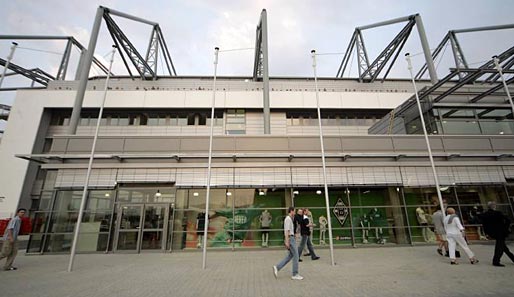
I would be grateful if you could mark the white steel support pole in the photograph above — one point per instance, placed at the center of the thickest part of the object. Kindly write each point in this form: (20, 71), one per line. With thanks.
(209, 169)
(438, 188)
(499, 68)
(426, 49)
(327, 203)
(9, 58)
(88, 174)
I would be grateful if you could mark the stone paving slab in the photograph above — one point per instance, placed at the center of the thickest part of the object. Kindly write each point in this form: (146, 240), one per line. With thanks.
(398, 271)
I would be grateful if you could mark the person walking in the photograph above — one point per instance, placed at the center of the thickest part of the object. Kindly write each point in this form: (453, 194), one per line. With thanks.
(306, 234)
(496, 226)
(311, 229)
(292, 249)
(10, 240)
(454, 233)
(438, 221)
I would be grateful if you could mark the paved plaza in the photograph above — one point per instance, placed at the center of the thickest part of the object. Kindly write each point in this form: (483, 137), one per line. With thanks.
(381, 271)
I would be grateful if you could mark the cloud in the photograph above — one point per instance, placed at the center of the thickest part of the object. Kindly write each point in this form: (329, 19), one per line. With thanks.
(192, 29)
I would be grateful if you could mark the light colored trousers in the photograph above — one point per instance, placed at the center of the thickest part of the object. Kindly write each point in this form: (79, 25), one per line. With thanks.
(292, 254)
(9, 251)
(453, 240)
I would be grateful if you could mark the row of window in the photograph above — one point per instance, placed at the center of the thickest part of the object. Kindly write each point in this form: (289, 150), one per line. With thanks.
(335, 118)
(473, 113)
(238, 216)
(197, 118)
(337, 121)
(235, 119)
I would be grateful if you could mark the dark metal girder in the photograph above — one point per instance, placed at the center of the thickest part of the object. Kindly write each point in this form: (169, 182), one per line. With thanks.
(257, 62)
(464, 80)
(101, 66)
(118, 47)
(166, 53)
(135, 57)
(346, 57)
(435, 53)
(429, 90)
(63, 66)
(152, 52)
(33, 75)
(491, 90)
(495, 76)
(395, 57)
(61, 72)
(379, 63)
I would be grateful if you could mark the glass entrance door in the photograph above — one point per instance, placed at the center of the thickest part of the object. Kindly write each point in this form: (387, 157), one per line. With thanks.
(141, 227)
(129, 227)
(154, 219)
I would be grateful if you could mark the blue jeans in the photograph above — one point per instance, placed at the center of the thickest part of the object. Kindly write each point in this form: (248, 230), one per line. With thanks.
(306, 240)
(292, 253)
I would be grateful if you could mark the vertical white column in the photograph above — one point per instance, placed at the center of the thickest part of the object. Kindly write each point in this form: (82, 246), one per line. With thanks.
(420, 110)
(209, 169)
(327, 203)
(88, 174)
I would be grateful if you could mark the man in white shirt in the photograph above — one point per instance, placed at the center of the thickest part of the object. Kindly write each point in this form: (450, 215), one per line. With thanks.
(10, 240)
(290, 243)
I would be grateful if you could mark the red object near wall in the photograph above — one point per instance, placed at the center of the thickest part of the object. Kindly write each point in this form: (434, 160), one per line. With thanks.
(26, 226)
(3, 225)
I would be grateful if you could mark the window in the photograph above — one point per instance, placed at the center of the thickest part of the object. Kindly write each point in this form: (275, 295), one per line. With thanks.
(182, 120)
(196, 119)
(218, 119)
(156, 120)
(60, 120)
(235, 121)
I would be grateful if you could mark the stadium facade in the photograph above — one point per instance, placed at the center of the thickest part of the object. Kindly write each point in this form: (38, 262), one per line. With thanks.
(147, 189)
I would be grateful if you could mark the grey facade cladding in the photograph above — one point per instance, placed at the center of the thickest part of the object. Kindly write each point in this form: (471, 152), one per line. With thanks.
(354, 155)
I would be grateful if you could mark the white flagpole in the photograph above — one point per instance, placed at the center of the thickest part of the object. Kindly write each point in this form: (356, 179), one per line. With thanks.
(209, 169)
(420, 110)
(9, 58)
(499, 68)
(327, 203)
(91, 157)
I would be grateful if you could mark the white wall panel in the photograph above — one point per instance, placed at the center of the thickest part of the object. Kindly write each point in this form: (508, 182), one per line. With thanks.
(423, 176)
(241, 99)
(478, 175)
(508, 172)
(76, 178)
(146, 175)
(255, 123)
(262, 177)
(286, 99)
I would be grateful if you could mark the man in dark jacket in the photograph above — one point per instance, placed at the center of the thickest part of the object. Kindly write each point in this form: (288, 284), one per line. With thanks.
(306, 233)
(496, 225)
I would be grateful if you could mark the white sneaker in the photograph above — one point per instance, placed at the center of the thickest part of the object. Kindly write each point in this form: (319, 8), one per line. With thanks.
(297, 277)
(275, 271)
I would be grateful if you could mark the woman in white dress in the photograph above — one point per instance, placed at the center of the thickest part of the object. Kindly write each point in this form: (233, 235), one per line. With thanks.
(454, 233)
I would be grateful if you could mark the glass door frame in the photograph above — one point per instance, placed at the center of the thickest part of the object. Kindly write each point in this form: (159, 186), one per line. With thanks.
(141, 229)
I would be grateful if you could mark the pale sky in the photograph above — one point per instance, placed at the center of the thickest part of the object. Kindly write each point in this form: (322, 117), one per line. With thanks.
(193, 28)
